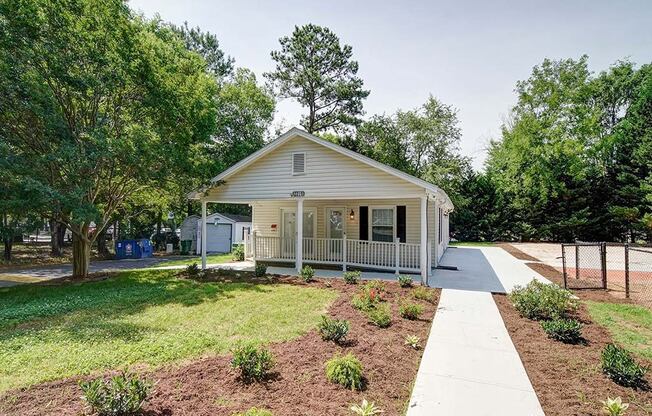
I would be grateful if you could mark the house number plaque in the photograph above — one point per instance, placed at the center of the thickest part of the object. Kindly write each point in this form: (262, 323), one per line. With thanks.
(298, 194)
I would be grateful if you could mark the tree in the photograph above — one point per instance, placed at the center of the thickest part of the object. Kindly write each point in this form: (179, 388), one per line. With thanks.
(97, 105)
(318, 72)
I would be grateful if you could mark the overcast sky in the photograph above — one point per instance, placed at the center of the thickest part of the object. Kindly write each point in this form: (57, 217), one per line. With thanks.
(467, 53)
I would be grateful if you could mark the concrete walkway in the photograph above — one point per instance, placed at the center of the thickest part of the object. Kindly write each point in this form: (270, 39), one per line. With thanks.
(470, 366)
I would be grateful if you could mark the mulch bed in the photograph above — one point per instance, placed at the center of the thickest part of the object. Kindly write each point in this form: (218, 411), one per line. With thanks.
(208, 386)
(521, 255)
(568, 379)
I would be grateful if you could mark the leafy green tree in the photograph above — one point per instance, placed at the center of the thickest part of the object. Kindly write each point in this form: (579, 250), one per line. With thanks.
(316, 70)
(206, 45)
(119, 102)
(19, 206)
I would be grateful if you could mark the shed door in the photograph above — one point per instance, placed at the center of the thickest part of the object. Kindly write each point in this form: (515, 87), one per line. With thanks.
(218, 238)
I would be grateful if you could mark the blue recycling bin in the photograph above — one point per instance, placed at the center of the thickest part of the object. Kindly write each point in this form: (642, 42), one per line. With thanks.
(133, 249)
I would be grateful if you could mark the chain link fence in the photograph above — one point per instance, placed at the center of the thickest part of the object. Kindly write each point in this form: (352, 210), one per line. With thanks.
(624, 269)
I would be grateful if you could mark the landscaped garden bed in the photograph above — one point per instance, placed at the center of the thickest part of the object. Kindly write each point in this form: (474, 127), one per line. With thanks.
(568, 377)
(179, 334)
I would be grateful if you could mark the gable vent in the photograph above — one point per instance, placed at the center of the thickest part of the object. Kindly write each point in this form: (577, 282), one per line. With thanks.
(298, 163)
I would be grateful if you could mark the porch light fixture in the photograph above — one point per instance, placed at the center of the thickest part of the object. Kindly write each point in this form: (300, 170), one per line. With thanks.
(352, 215)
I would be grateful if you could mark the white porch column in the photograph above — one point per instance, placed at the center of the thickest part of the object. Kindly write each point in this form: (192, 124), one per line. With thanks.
(203, 235)
(299, 245)
(424, 240)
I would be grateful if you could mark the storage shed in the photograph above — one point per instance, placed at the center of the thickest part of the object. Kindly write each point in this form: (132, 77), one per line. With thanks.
(222, 231)
(189, 231)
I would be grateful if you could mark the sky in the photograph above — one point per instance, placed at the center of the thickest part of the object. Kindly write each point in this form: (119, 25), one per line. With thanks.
(469, 54)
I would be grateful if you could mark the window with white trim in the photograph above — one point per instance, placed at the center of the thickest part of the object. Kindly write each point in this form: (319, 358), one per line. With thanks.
(382, 224)
(299, 163)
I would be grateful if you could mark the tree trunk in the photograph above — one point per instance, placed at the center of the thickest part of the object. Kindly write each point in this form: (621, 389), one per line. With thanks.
(8, 245)
(61, 235)
(56, 248)
(81, 253)
(102, 249)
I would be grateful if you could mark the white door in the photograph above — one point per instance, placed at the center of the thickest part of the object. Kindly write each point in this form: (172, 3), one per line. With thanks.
(289, 230)
(218, 238)
(335, 228)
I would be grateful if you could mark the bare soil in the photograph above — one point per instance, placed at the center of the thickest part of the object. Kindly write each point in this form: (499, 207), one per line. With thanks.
(521, 255)
(208, 386)
(567, 378)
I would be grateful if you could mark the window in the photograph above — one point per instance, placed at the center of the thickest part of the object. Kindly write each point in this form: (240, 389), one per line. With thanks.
(382, 224)
(298, 163)
(245, 231)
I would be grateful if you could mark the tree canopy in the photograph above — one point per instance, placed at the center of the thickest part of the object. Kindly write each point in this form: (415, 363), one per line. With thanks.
(316, 70)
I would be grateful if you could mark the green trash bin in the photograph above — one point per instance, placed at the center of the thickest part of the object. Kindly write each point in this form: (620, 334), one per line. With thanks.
(185, 246)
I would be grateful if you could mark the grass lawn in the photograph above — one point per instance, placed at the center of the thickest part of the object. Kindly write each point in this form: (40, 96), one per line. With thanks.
(472, 243)
(143, 316)
(629, 325)
(210, 258)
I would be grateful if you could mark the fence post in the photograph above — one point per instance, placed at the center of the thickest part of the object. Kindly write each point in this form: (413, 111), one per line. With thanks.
(344, 252)
(603, 249)
(563, 264)
(397, 255)
(577, 260)
(627, 270)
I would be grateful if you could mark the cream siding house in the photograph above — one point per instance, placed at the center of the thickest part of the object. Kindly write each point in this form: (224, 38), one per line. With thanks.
(355, 212)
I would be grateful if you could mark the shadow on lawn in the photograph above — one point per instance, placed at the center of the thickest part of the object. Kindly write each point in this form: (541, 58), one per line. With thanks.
(86, 310)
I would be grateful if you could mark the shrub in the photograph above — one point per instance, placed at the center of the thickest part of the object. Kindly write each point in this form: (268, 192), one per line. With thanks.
(404, 281)
(368, 296)
(254, 411)
(238, 252)
(365, 409)
(541, 301)
(260, 270)
(411, 311)
(423, 293)
(193, 271)
(307, 273)
(352, 277)
(345, 371)
(124, 394)
(333, 329)
(618, 364)
(614, 407)
(376, 285)
(412, 341)
(568, 331)
(381, 316)
(254, 363)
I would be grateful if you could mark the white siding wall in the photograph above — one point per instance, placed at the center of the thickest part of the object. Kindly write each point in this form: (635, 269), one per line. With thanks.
(329, 174)
(267, 213)
(237, 237)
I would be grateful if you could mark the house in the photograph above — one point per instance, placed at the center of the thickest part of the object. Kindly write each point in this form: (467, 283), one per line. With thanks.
(354, 211)
(222, 231)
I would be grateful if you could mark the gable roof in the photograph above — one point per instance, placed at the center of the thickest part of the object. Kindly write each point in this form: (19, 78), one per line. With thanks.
(237, 218)
(297, 132)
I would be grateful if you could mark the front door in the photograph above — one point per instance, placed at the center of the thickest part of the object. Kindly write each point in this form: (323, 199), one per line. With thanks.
(289, 231)
(335, 228)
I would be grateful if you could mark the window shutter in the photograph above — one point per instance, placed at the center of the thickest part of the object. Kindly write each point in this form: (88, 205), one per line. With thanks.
(400, 223)
(298, 163)
(364, 223)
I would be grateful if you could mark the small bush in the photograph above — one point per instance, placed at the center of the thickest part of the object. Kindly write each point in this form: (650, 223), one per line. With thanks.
(307, 273)
(238, 252)
(541, 301)
(193, 271)
(618, 364)
(377, 285)
(413, 341)
(352, 277)
(345, 371)
(423, 293)
(124, 394)
(568, 331)
(404, 281)
(260, 270)
(333, 329)
(614, 407)
(365, 409)
(254, 363)
(381, 316)
(367, 298)
(411, 311)
(254, 411)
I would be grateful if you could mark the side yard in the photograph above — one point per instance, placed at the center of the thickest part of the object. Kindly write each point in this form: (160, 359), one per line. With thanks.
(179, 333)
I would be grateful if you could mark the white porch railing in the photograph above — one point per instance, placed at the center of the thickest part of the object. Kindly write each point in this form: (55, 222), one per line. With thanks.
(374, 254)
